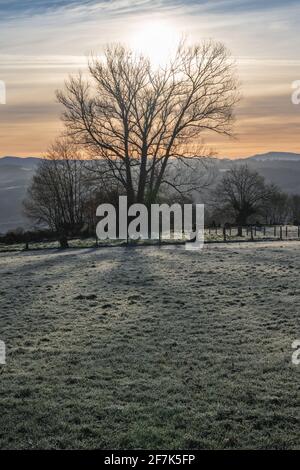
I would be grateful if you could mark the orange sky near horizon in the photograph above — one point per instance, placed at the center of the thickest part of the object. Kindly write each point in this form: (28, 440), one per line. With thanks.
(38, 52)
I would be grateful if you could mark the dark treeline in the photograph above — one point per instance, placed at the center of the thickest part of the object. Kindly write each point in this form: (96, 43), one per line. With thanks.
(64, 196)
(20, 235)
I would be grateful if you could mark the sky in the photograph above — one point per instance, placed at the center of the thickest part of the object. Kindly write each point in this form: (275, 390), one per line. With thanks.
(43, 41)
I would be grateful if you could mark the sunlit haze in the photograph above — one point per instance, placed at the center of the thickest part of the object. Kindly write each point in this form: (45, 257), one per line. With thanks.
(42, 42)
(156, 40)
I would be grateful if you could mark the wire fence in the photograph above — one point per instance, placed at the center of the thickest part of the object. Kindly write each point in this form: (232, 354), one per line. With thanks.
(253, 233)
(213, 234)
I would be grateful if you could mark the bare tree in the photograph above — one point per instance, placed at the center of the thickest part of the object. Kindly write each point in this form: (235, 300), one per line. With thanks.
(243, 193)
(137, 119)
(295, 208)
(277, 209)
(99, 194)
(56, 197)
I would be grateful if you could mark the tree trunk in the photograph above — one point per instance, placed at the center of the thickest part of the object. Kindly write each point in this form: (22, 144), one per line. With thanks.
(143, 178)
(241, 222)
(63, 241)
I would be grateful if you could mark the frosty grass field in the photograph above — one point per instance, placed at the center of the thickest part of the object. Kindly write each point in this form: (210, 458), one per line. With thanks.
(151, 348)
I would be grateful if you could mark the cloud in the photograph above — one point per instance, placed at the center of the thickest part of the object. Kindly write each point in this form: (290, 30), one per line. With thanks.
(42, 41)
(20, 8)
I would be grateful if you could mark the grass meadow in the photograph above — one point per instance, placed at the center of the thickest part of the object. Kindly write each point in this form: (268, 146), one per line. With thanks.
(151, 348)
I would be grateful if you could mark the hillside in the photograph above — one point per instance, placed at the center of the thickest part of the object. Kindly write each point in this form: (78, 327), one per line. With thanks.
(282, 169)
(15, 176)
(275, 156)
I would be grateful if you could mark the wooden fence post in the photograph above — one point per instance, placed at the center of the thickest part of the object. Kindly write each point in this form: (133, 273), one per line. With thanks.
(224, 234)
(280, 232)
(252, 238)
(159, 227)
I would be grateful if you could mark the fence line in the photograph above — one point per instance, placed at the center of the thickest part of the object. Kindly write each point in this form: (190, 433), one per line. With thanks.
(252, 232)
(211, 234)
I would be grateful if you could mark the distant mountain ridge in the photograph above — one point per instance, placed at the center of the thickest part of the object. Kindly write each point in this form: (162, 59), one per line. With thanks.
(262, 157)
(15, 176)
(282, 168)
(275, 156)
(16, 161)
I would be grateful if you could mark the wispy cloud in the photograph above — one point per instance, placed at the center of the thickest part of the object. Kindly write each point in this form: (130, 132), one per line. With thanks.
(16, 8)
(42, 41)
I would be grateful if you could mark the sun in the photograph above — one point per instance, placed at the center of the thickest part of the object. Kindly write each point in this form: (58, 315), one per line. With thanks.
(156, 40)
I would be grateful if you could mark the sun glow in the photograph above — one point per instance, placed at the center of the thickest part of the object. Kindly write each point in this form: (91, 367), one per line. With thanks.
(156, 40)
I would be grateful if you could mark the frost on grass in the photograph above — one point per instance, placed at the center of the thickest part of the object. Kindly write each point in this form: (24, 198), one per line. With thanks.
(150, 348)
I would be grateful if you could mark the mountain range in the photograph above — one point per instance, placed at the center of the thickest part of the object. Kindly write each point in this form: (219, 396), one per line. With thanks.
(283, 169)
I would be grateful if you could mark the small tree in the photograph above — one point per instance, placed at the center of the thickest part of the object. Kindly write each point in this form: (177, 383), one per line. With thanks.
(242, 193)
(56, 196)
(295, 208)
(277, 209)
